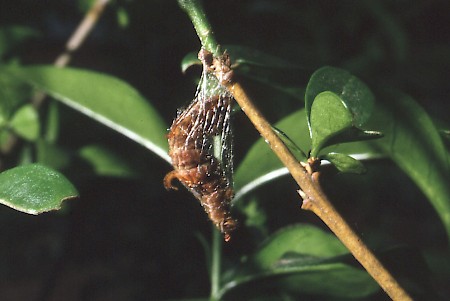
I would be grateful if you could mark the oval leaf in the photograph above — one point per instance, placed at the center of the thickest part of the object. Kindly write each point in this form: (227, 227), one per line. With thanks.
(105, 99)
(354, 93)
(329, 116)
(34, 189)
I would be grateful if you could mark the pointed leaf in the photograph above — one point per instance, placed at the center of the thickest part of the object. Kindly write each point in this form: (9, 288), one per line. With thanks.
(25, 123)
(345, 163)
(34, 189)
(354, 93)
(105, 99)
(329, 116)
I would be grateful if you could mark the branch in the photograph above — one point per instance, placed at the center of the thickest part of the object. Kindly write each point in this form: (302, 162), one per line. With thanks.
(76, 40)
(308, 180)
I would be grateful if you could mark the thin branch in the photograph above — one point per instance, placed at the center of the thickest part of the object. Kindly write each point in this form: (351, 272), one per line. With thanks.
(75, 41)
(308, 180)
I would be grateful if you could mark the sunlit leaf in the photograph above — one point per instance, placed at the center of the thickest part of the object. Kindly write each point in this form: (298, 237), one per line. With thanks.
(34, 189)
(328, 117)
(354, 93)
(105, 99)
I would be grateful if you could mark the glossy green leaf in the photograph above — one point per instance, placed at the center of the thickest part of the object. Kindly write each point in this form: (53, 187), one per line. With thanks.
(329, 116)
(345, 163)
(302, 259)
(34, 189)
(25, 123)
(105, 99)
(415, 145)
(354, 93)
(105, 162)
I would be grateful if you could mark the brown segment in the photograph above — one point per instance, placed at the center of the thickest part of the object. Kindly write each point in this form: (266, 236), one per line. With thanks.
(190, 142)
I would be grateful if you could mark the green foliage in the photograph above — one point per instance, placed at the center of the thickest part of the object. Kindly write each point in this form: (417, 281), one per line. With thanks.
(298, 254)
(34, 189)
(293, 262)
(116, 104)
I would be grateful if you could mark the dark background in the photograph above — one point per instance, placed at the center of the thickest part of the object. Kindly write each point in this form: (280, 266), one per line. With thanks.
(129, 239)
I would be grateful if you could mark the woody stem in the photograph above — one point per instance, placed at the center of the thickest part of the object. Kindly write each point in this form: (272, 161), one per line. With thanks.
(314, 198)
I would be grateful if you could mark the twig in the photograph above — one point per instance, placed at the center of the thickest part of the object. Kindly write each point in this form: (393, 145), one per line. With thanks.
(314, 198)
(75, 41)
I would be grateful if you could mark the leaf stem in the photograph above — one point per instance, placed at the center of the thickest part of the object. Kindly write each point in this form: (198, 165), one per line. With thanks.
(196, 13)
(308, 180)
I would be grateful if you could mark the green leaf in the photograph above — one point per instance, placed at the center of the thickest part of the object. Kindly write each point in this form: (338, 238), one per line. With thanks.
(415, 145)
(352, 134)
(261, 165)
(25, 123)
(302, 239)
(345, 163)
(105, 99)
(105, 162)
(354, 93)
(301, 259)
(329, 116)
(34, 189)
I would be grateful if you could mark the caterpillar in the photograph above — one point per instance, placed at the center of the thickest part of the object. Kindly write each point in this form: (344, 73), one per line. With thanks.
(197, 164)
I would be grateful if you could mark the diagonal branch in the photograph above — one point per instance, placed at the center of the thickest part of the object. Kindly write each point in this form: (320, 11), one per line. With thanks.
(314, 198)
